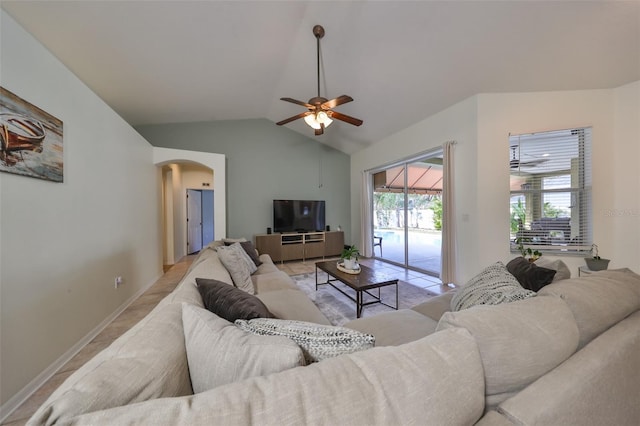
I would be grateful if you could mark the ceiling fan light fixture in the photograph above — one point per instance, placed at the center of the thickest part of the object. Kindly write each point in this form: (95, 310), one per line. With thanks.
(312, 122)
(315, 121)
(323, 118)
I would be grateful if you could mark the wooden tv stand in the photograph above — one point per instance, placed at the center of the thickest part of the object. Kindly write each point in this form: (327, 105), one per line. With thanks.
(303, 245)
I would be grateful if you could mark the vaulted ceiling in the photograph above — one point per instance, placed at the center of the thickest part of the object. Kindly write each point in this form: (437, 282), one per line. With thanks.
(185, 61)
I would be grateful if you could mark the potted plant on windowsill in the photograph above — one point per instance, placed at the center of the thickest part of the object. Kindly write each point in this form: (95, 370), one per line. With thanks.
(596, 263)
(350, 257)
(528, 252)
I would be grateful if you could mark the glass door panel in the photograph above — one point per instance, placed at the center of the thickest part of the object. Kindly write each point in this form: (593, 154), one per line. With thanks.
(389, 217)
(407, 214)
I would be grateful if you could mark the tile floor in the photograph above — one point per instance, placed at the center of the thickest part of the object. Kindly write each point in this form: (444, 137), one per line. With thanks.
(145, 303)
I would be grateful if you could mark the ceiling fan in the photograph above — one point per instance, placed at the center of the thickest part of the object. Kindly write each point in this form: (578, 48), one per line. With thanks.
(320, 113)
(516, 163)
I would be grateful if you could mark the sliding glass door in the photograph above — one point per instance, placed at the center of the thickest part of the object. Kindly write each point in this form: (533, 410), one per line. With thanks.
(407, 213)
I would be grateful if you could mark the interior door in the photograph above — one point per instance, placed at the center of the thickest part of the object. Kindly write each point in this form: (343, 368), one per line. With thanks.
(207, 217)
(194, 221)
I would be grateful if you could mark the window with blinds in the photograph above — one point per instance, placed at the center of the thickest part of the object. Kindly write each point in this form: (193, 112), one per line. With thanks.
(550, 182)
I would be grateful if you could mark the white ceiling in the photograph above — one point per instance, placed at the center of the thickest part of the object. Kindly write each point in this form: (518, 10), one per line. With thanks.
(182, 61)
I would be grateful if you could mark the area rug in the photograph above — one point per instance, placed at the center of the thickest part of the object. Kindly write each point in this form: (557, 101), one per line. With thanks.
(339, 309)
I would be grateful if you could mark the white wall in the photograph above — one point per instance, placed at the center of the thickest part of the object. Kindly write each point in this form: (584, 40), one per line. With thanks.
(481, 126)
(62, 244)
(264, 162)
(457, 123)
(501, 114)
(622, 217)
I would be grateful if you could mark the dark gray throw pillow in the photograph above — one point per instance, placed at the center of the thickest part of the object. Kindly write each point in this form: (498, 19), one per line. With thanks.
(229, 302)
(530, 275)
(250, 249)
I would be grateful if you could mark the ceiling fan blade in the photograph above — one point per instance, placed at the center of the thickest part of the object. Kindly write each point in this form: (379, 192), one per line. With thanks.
(320, 131)
(294, 101)
(295, 117)
(342, 117)
(343, 99)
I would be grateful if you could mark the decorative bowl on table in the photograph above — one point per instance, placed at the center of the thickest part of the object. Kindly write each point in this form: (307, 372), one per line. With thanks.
(343, 268)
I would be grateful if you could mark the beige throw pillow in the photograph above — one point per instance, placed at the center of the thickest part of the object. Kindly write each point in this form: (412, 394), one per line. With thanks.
(562, 270)
(239, 265)
(218, 352)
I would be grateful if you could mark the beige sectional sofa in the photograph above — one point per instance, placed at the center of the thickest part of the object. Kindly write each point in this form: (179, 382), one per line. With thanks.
(567, 356)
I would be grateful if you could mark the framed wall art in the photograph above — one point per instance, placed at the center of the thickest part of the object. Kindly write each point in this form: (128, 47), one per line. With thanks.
(30, 139)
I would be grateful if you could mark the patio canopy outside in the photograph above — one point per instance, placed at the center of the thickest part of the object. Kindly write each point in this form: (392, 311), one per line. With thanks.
(423, 178)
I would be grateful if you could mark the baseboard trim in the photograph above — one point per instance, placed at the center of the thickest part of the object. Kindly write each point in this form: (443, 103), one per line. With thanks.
(19, 398)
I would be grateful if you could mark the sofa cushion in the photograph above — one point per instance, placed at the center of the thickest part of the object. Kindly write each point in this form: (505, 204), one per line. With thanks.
(317, 341)
(219, 352)
(598, 385)
(598, 300)
(202, 255)
(240, 267)
(266, 266)
(529, 275)
(436, 306)
(230, 303)
(492, 286)
(209, 267)
(250, 249)
(147, 362)
(518, 341)
(292, 304)
(562, 270)
(270, 281)
(364, 388)
(396, 327)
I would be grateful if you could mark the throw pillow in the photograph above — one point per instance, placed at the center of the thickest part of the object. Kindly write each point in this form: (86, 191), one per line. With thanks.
(250, 249)
(529, 275)
(218, 352)
(233, 240)
(562, 270)
(242, 253)
(229, 302)
(492, 286)
(233, 259)
(317, 341)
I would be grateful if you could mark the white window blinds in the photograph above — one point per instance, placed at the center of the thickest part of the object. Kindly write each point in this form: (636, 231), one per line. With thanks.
(550, 180)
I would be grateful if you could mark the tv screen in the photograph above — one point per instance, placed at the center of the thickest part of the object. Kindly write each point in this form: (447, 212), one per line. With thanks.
(298, 216)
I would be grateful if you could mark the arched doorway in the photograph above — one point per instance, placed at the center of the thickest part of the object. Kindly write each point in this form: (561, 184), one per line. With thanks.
(182, 170)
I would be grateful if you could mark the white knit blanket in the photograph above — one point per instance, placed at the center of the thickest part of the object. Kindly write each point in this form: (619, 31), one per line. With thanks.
(494, 285)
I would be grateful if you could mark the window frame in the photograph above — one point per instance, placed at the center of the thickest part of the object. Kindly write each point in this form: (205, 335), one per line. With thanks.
(570, 233)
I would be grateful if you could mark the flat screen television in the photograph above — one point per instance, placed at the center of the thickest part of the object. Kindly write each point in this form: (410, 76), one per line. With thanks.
(298, 216)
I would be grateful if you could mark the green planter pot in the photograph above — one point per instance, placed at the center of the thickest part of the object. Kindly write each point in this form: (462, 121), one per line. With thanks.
(596, 264)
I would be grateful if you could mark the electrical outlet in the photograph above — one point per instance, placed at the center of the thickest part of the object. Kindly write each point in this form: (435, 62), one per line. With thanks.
(118, 281)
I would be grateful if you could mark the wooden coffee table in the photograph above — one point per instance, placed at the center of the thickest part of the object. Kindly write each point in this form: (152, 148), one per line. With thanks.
(367, 279)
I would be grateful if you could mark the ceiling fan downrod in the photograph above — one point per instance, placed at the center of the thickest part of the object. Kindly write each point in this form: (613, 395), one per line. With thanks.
(318, 31)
